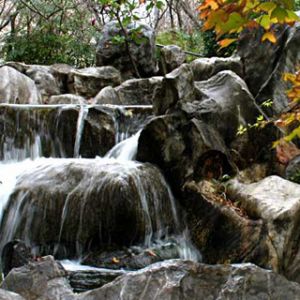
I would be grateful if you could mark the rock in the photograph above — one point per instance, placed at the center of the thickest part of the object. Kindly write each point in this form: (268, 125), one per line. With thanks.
(172, 57)
(226, 104)
(89, 81)
(107, 95)
(135, 257)
(204, 68)
(6, 295)
(176, 279)
(276, 201)
(178, 146)
(64, 77)
(17, 88)
(44, 279)
(264, 64)
(53, 131)
(131, 92)
(15, 254)
(223, 231)
(176, 86)
(82, 281)
(97, 204)
(292, 171)
(66, 99)
(114, 54)
(44, 80)
(192, 133)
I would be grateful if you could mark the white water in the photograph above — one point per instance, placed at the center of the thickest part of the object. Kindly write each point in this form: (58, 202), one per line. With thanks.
(80, 126)
(15, 164)
(125, 150)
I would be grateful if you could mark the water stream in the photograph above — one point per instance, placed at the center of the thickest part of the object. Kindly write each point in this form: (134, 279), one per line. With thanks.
(26, 178)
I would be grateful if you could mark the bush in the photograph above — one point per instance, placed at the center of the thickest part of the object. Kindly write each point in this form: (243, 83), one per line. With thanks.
(47, 48)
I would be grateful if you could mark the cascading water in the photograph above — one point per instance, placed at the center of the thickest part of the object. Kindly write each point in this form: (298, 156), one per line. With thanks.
(72, 206)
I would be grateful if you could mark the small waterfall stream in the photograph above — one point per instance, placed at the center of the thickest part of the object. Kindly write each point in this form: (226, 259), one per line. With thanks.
(69, 207)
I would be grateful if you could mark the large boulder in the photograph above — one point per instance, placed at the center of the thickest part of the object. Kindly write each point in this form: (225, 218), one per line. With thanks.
(96, 203)
(195, 132)
(204, 68)
(44, 279)
(224, 232)
(142, 51)
(265, 63)
(89, 81)
(131, 92)
(276, 201)
(186, 280)
(17, 88)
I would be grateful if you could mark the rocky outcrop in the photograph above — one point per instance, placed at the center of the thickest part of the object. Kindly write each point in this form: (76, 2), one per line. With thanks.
(187, 280)
(131, 92)
(204, 68)
(17, 88)
(264, 64)
(276, 201)
(171, 279)
(96, 204)
(89, 81)
(142, 51)
(193, 133)
(176, 86)
(171, 57)
(43, 279)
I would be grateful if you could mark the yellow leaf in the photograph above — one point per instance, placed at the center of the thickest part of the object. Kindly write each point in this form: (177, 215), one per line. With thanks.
(226, 42)
(115, 260)
(269, 36)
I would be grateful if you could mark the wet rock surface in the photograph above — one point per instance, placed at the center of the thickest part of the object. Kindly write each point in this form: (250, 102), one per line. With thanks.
(52, 131)
(100, 203)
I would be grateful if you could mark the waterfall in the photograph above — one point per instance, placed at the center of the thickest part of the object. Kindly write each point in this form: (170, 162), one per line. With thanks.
(80, 126)
(70, 206)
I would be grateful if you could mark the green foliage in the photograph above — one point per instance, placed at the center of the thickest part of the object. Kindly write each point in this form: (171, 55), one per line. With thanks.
(203, 43)
(48, 48)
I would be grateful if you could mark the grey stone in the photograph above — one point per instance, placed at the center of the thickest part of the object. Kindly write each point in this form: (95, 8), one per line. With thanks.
(44, 279)
(172, 57)
(44, 80)
(89, 81)
(66, 99)
(186, 280)
(277, 202)
(115, 54)
(204, 68)
(6, 295)
(176, 86)
(17, 88)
